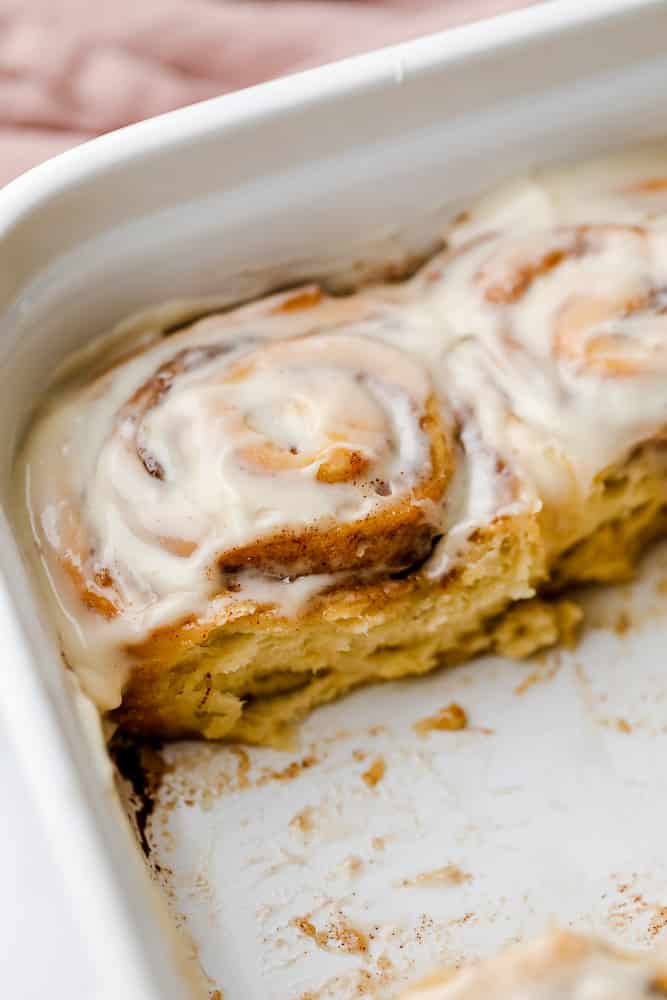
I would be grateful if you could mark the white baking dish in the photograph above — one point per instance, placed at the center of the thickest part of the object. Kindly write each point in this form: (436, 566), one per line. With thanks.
(355, 162)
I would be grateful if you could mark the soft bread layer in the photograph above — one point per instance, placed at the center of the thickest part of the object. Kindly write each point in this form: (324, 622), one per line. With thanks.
(559, 966)
(249, 679)
(601, 540)
(253, 677)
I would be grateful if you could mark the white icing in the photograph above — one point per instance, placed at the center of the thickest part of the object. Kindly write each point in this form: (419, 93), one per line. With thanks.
(233, 443)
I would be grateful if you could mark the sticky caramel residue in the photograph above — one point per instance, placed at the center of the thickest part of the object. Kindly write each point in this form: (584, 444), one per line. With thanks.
(449, 719)
(338, 936)
(375, 773)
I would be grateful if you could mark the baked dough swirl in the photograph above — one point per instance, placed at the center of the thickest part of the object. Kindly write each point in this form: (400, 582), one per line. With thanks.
(320, 453)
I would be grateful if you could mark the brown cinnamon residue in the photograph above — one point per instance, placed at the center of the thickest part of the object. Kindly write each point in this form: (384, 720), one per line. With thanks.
(623, 726)
(144, 768)
(449, 719)
(353, 866)
(288, 773)
(375, 773)
(450, 875)
(303, 821)
(541, 675)
(658, 921)
(242, 766)
(338, 936)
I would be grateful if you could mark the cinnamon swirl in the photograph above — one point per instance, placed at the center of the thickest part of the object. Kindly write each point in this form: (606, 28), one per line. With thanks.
(245, 515)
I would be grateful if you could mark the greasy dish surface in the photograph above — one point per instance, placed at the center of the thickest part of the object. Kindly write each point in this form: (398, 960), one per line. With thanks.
(244, 516)
(559, 966)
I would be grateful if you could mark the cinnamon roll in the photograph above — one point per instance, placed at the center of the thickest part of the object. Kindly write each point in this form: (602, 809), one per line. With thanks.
(571, 345)
(561, 965)
(244, 515)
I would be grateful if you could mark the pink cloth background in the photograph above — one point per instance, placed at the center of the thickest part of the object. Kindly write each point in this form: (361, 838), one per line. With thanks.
(71, 69)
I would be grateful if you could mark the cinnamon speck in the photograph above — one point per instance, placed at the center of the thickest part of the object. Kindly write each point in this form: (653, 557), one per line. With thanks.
(303, 822)
(359, 754)
(378, 843)
(353, 866)
(449, 719)
(658, 921)
(623, 726)
(375, 773)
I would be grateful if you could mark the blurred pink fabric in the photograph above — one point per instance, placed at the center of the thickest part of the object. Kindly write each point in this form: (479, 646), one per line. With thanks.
(71, 69)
